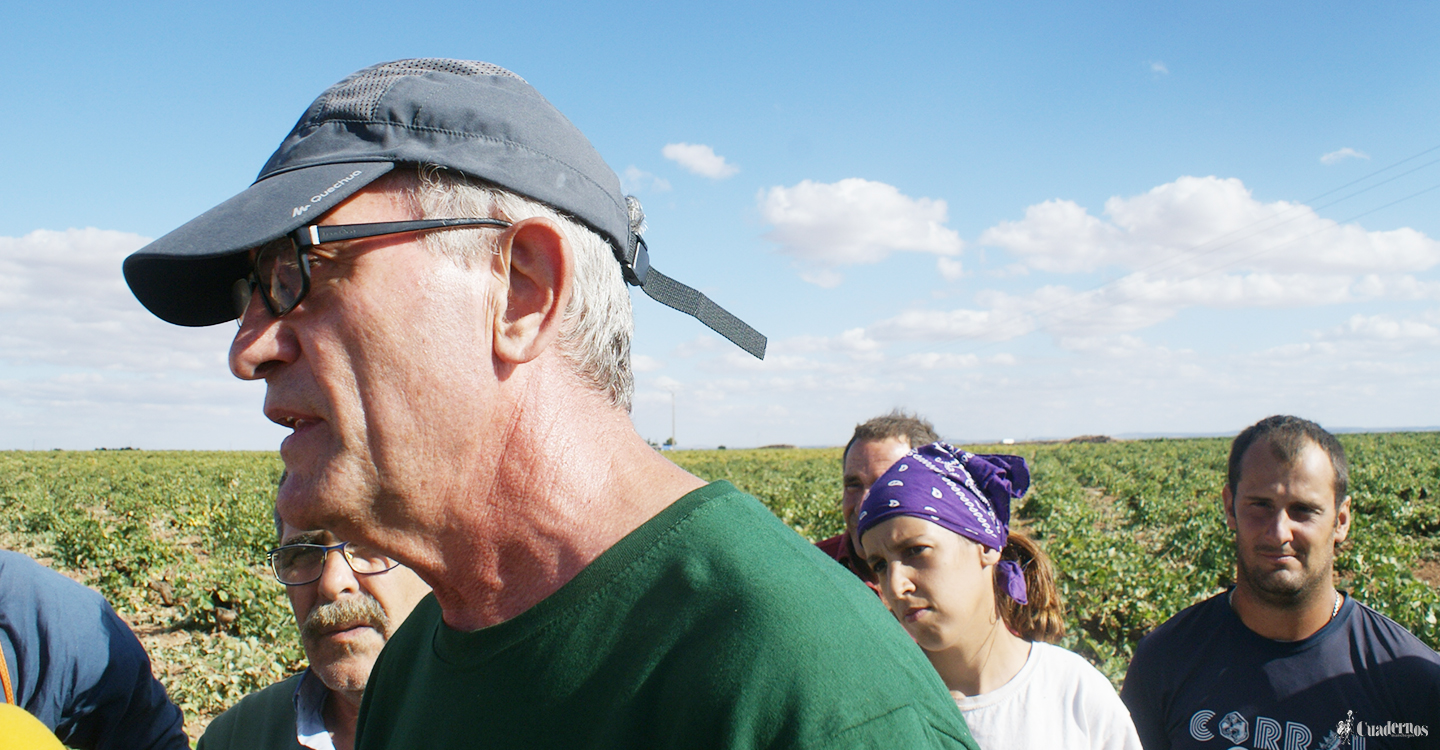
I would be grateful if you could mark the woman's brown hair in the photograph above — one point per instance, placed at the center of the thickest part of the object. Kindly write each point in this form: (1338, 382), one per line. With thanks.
(1043, 618)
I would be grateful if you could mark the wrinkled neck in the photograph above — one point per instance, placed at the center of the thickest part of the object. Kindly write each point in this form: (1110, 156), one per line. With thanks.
(342, 712)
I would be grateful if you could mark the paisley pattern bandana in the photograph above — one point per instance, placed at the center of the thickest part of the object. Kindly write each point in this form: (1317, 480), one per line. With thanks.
(966, 493)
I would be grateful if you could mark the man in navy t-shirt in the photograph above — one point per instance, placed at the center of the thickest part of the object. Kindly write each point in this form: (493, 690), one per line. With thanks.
(1284, 661)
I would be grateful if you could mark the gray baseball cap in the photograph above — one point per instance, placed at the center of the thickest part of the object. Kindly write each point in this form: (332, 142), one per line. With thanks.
(473, 117)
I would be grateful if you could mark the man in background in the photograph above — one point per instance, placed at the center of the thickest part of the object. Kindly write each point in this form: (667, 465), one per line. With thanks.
(1283, 659)
(69, 660)
(874, 447)
(348, 600)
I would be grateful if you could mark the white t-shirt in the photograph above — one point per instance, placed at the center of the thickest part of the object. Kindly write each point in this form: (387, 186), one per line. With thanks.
(1057, 700)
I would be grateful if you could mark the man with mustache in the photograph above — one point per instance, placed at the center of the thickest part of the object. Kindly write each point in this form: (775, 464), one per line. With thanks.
(348, 600)
(1283, 659)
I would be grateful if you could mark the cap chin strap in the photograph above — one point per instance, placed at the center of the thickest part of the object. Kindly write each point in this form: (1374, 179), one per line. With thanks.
(672, 293)
(677, 296)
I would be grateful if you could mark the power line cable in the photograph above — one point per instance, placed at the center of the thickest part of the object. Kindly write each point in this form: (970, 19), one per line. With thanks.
(1336, 225)
(1372, 174)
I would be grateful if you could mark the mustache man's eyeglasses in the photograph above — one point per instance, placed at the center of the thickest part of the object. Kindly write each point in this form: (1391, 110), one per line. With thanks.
(299, 564)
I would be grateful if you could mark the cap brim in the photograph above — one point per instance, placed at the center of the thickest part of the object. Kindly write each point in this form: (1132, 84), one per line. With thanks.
(186, 276)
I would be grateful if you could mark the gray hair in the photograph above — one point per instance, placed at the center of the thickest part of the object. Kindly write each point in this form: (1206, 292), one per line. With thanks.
(598, 322)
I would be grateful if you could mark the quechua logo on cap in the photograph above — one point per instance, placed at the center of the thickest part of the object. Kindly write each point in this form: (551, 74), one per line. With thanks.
(323, 194)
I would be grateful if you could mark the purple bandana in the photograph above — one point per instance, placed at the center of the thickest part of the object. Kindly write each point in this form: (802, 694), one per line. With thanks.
(960, 491)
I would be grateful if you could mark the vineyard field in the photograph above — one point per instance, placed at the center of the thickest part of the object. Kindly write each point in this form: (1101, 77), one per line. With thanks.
(177, 540)
(1137, 532)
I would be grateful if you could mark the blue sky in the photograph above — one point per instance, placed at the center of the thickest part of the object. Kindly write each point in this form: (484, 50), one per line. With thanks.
(1036, 220)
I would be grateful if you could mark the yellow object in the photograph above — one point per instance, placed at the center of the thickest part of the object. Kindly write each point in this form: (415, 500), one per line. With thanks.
(5, 681)
(21, 731)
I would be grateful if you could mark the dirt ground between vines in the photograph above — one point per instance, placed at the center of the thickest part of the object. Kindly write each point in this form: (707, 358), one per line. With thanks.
(1429, 572)
(158, 640)
(147, 623)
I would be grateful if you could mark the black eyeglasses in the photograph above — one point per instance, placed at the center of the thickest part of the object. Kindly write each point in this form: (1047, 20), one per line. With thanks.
(281, 268)
(299, 564)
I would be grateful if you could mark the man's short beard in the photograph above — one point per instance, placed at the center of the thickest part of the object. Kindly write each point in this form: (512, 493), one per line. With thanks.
(363, 610)
(1276, 590)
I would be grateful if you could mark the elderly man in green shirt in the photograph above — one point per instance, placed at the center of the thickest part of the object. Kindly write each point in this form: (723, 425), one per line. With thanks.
(431, 278)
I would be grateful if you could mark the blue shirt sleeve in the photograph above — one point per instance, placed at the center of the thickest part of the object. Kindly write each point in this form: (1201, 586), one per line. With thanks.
(78, 667)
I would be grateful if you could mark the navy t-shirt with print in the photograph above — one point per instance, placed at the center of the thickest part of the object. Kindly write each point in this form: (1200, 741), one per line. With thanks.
(1204, 681)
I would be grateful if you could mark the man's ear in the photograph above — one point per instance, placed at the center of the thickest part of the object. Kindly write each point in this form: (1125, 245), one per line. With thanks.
(536, 267)
(1342, 520)
(1229, 500)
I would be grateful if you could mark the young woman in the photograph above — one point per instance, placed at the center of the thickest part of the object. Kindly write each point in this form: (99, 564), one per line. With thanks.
(981, 601)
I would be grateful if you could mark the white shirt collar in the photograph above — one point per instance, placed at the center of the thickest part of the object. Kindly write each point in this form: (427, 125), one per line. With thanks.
(310, 696)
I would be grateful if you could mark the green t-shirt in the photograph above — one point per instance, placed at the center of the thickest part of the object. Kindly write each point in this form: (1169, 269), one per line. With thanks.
(713, 625)
(263, 720)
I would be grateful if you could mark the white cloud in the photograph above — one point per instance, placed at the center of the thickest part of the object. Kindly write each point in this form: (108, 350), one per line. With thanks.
(1111, 386)
(702, 344)
(64, 302)
(815, 353)
(1372, 370)
(1158, 68)
(643, 363)
(941, 325)
(1135, 302)
(83, 364)
(777, 362)
(851, 222)
(1013, 269)
(945, 360)
(1385, 328)
(636, 180)
(1109, 346)
(950, 361)
(825, 278)
(1343, 154)
(854, 341)
(699, 159)
(1357, 356)
(950, 268)
(1199, 224)
(1100, 374)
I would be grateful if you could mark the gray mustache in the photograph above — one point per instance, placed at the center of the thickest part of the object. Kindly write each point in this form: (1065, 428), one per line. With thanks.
(363, 609)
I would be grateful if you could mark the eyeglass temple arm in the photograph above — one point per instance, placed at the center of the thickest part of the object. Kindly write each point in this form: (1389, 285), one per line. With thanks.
(319, 234)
